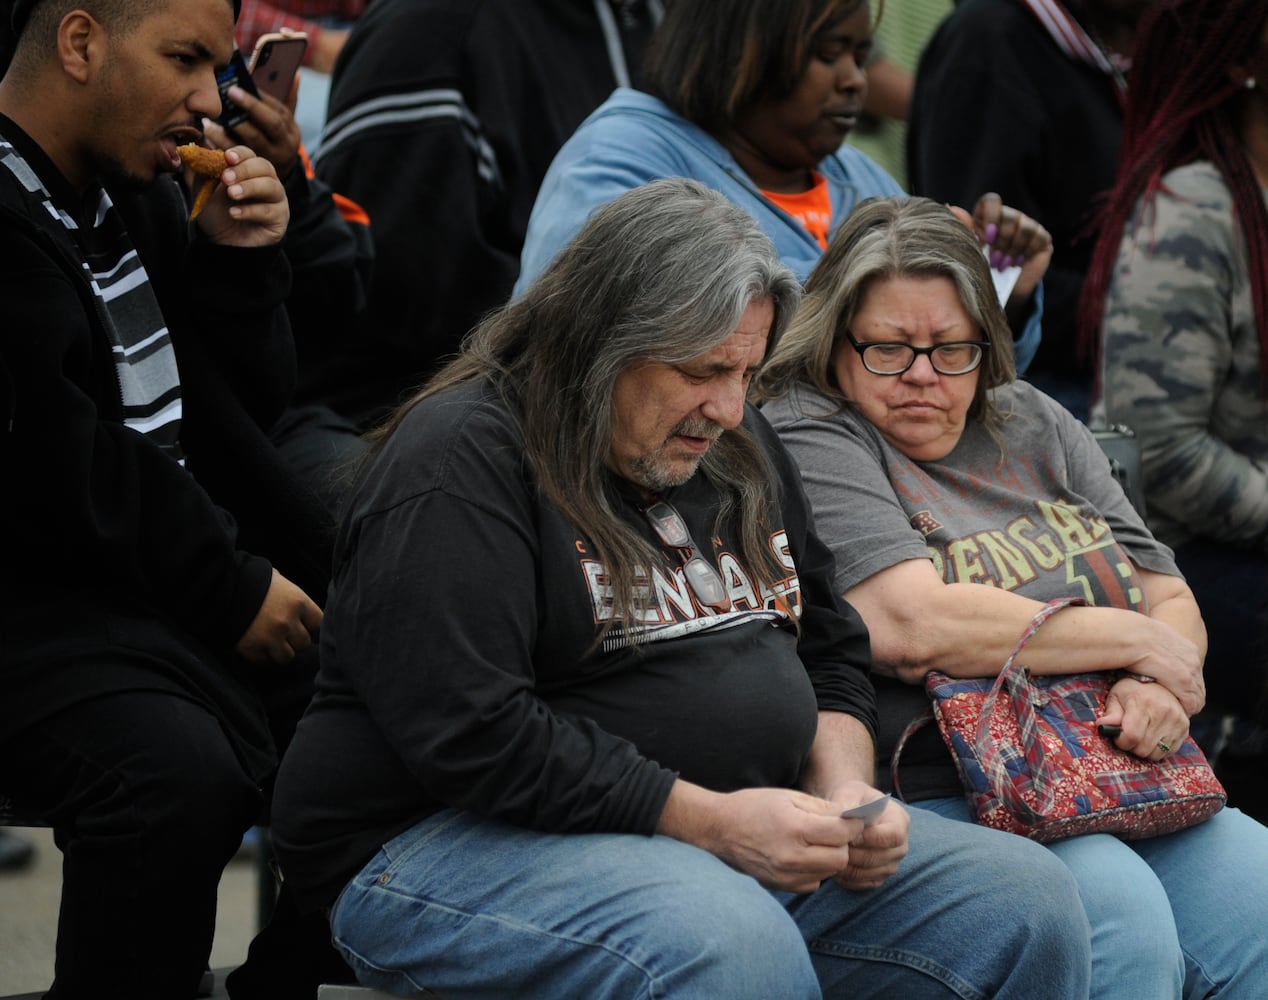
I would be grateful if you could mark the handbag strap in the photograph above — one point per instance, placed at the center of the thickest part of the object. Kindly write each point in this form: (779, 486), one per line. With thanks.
(1014, 679)
(913, 727)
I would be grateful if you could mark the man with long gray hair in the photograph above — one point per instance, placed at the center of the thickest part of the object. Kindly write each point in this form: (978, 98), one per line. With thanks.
(589, 710)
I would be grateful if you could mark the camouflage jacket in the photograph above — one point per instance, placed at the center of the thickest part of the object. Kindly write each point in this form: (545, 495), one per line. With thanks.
(1181, 363)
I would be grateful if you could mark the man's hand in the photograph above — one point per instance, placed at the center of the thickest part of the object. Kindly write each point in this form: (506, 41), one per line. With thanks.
(877, 851)
(785, 839)
(269, 128)
(249, 209)
(878, 848)
(287, 622)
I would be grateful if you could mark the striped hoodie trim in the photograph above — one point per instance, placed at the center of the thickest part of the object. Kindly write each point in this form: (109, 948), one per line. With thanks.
(416, 106)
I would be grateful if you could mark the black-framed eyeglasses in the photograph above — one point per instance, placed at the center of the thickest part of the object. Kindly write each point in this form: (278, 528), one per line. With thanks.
(959, 357)
(702, 576)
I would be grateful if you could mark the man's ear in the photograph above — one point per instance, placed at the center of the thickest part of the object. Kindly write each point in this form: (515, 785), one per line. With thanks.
(80, 45)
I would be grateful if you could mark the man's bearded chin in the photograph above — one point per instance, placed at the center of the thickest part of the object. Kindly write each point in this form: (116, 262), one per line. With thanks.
(113, 174)
(656, 473)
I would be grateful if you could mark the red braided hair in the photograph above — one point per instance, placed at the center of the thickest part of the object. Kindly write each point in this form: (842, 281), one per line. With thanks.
(1183, 105)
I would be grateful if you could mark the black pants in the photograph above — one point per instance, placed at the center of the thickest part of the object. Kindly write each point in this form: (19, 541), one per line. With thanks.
(148, 802)
(1231, 587)
(291, 957)
(322, 448)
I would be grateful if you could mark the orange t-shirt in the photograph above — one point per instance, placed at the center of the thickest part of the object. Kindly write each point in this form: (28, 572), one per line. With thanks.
(813, 208)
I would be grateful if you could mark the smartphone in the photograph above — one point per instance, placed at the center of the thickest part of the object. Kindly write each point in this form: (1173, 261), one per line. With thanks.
(276, 60)
(235, 72)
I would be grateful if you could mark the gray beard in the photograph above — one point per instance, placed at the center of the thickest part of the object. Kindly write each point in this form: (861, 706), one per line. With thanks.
(651, 475)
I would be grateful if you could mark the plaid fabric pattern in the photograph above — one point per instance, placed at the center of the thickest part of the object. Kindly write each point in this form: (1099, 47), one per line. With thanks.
(1033, 763)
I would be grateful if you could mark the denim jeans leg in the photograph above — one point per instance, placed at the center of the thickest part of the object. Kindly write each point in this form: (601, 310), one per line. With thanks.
(471, 908)
(971, 913)
(1135, 946)
(1216, 877)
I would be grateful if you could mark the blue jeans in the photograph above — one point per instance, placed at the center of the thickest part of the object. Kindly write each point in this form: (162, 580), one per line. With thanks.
(1175, 916)
(472, 908)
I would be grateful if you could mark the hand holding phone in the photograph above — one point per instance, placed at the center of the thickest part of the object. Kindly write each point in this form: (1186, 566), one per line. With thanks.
(276, 60)
(269, 129)
(234, 74)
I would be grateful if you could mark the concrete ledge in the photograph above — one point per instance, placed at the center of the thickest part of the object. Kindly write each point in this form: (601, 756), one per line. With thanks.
(217, 994)
(329, 992)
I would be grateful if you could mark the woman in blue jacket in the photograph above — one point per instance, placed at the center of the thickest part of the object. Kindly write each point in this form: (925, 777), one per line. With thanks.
(755, 98)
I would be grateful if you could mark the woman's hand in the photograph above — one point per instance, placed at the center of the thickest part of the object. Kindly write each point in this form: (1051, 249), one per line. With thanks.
(1152, 720)
(1015, 239)
(1174, 661)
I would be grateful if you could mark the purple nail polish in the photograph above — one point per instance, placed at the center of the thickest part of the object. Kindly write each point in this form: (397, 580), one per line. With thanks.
(991, 232)
(997, 260)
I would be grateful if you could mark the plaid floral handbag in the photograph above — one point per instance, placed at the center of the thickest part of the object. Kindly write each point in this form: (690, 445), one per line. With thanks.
(1033, 762)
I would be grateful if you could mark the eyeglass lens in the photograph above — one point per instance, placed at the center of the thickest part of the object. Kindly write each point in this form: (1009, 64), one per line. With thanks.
(947, 359)
(669, 525)
(702, 577)
(706, 582)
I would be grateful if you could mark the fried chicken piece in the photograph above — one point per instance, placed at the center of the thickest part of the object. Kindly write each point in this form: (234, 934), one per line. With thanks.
(203, 188)
(208, 164)
(202, 161)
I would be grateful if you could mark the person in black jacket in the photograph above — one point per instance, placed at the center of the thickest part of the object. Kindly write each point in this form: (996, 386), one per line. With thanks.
(443, 117)
(589, 709)
(140, 357)
(1025, 98)
(331, 253)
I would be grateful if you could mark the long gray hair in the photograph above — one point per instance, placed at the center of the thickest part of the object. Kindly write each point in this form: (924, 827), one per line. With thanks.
(662, 273)
(887, 238)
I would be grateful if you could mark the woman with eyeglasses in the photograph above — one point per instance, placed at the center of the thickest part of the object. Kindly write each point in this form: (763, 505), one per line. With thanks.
(957, 501)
